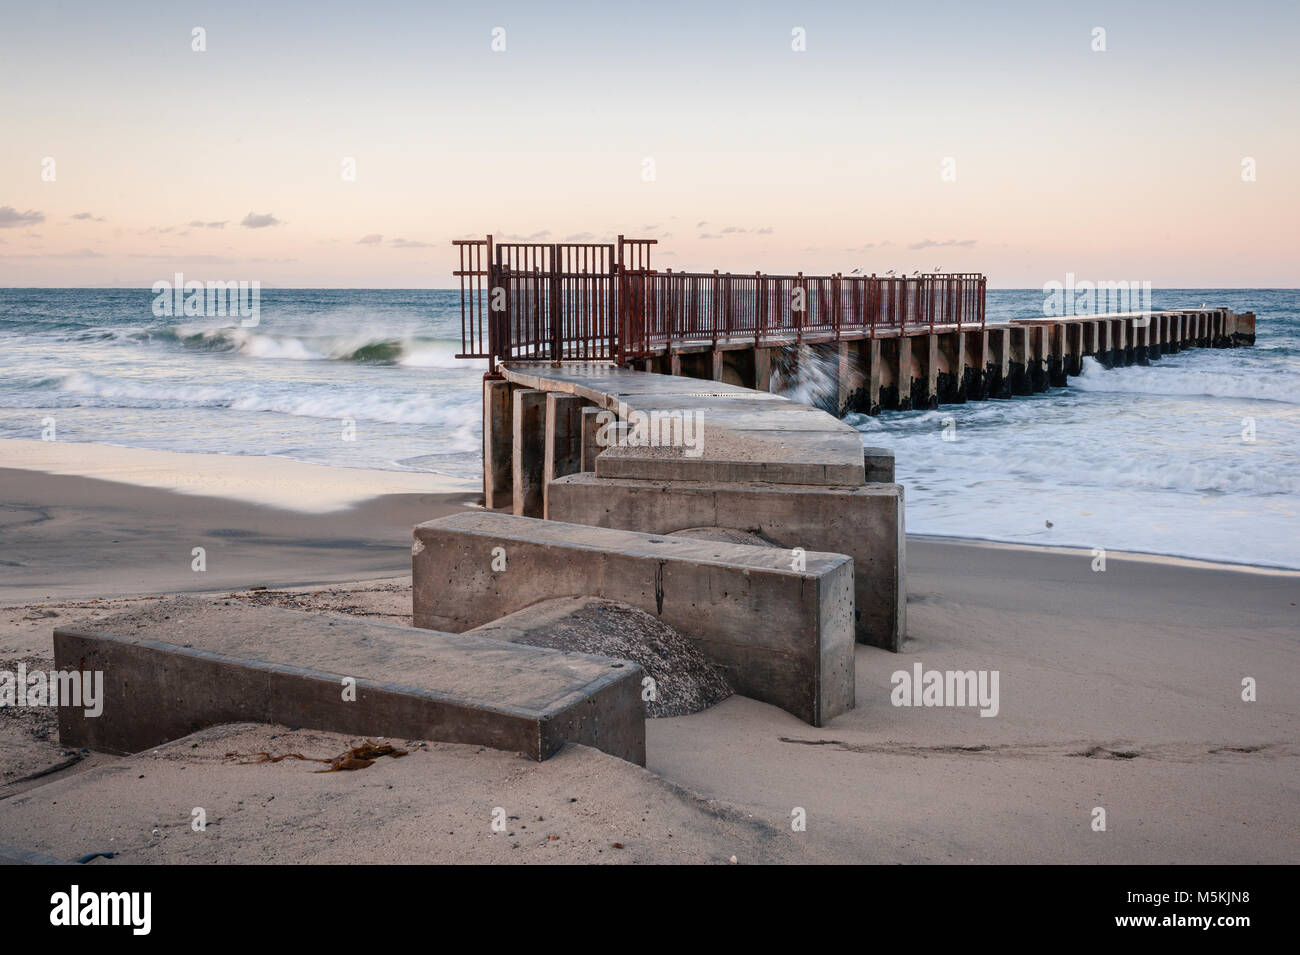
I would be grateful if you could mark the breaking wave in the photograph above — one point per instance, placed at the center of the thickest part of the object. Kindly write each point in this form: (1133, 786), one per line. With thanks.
(1163, 378)
(412, 352)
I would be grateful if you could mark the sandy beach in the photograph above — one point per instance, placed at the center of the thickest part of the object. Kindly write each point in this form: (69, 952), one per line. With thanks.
(98, 521)
(1118, 689)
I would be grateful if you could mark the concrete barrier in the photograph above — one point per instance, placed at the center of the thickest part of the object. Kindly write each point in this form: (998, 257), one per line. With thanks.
(182, 665)
(528, 453)
(866, 523)
(498, 473)
(879, 465)
(779, 624)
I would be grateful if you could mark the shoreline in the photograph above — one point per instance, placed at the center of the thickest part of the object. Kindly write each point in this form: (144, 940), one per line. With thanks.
(284, 484)
(279, 482)
(1173, 560)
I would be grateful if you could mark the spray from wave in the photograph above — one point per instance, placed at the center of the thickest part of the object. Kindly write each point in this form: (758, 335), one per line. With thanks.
(807, 375)
(411, 352)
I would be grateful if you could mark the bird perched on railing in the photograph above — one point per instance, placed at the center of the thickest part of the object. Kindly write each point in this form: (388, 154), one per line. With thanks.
(890, 272)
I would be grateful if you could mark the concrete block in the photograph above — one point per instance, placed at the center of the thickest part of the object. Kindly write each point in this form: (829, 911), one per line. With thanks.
(762, 369)
(779, 625)
(528, 451)
(498, 480)
(1057, 355)
(591, 424)
(1019, 378)
(879, 465)
(1241, 328)
(976, 359)
(864, 522)
(562, 441)
(998, 369)
(1038, 353)
(181, 665)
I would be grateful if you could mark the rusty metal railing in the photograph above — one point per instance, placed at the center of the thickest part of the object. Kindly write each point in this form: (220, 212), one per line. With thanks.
(588, 301)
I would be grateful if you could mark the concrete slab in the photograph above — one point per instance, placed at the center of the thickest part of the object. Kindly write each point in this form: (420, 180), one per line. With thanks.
(528, 452)
(745, 435)
(879, 465)
(779, 625)
(866, 523)
(183, 664)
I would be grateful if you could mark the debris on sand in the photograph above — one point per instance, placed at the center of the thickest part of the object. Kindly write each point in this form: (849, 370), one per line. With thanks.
(358, 757)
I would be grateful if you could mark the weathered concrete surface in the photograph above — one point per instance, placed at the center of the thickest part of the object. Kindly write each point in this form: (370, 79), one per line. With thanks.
(866, 523)
(591, 423)
(498, 438)
(182, 664)
(779, 625)
(528, 455)
(563, 450)
(563, 440)
(745, 435)
(879, 465)
(683, 680)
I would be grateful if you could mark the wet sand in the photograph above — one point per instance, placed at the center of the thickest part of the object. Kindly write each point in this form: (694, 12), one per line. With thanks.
(69, 536)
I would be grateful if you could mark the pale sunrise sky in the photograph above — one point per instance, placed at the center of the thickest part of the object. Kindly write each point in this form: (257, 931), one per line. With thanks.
(228, 163)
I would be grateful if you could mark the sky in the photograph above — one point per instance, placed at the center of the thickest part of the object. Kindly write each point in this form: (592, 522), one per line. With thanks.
(346, 144)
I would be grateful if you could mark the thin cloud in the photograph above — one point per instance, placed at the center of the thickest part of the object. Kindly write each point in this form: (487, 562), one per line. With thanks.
(200, 224)
(404, 244)
(946, 243)
(373, 239)
(88, 216)
(741, 230)
(77, 254)
(182, 257)
(259, 221)
(11, 218)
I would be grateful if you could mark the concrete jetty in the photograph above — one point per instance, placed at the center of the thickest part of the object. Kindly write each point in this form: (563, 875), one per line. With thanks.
(662, 475)
(909, 369)
(788, 475)
(886, 342)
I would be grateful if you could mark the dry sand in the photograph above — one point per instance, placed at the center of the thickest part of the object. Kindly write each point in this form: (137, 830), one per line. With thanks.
(1119, 690)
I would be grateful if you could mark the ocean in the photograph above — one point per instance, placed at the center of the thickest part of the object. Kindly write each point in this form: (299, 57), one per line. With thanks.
(1146, 458)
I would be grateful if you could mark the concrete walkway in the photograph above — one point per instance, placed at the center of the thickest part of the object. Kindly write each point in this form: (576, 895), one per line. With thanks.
(746, 435)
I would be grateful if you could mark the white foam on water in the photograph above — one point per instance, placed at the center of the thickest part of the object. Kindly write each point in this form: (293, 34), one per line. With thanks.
(1209, 374)
(1126, 462)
